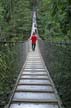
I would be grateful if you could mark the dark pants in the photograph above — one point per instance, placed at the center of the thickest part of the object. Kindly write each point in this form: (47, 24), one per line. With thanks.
(33, 46)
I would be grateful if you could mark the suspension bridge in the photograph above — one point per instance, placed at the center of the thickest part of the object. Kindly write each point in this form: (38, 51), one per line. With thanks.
(34, 87)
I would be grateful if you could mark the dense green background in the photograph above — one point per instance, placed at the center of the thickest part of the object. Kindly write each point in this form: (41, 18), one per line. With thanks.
(15, 19)
(54, 19)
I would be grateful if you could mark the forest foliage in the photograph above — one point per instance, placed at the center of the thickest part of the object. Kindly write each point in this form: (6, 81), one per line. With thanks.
(15, 19)
(54, 20)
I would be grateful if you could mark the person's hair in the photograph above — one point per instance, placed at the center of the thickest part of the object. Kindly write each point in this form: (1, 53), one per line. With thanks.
(33, 33)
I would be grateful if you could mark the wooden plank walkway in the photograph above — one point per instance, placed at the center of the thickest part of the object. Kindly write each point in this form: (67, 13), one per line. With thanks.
(34, 88)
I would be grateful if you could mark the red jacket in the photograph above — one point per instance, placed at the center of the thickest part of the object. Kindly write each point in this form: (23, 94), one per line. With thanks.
(34, 39)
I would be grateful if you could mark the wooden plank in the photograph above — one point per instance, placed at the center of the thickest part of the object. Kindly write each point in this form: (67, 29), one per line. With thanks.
(36, 91)
(36, 84)
(52, 101)
(34, 78)
(35, 74)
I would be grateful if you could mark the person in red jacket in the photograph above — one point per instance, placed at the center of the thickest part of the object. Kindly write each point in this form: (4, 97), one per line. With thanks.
(34, 39)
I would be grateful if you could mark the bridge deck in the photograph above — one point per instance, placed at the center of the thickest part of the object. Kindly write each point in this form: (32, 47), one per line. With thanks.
(34, 88)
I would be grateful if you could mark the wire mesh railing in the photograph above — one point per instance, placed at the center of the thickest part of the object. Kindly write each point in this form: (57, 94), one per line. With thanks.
(12, 58)
(57, 57)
